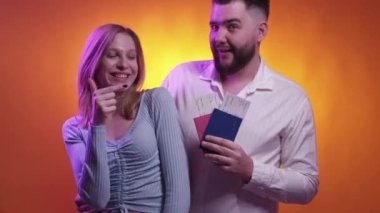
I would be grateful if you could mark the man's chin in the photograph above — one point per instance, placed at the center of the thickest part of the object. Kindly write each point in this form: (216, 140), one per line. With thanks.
(224, 69)
(224, 64)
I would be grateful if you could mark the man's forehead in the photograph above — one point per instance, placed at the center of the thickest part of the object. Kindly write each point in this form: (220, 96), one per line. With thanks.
(232, 11)
(235, 10)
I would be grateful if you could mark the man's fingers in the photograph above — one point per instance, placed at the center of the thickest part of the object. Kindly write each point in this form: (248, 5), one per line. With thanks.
(210, 146)
(218, 159)
(216, 148)
(221, 141)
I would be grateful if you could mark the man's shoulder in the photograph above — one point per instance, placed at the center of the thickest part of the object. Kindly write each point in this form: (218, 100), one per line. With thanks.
(281, 82)
(185, 73)
(191, 67)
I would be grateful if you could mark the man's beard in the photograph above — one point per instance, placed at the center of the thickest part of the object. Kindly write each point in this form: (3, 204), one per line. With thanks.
(241, 57)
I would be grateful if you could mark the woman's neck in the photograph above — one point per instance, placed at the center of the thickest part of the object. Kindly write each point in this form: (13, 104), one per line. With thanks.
(116, 127)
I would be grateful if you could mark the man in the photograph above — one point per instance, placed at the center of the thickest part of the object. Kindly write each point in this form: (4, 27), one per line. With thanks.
(273, 158)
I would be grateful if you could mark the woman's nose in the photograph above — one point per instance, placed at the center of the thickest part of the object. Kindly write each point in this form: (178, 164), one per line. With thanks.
(122, 63)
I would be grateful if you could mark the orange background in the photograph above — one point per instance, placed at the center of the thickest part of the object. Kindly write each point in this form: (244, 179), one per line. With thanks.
(329, 47)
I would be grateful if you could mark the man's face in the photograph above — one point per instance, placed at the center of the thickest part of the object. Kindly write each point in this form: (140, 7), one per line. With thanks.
(233, 36)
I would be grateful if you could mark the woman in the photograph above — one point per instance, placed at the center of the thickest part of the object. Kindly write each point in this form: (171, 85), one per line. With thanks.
(125, 145)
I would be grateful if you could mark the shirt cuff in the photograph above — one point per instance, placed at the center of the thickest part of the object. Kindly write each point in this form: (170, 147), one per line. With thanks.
(261, 179)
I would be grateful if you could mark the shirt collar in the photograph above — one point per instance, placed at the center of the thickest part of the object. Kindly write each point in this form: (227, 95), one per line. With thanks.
(263, 80)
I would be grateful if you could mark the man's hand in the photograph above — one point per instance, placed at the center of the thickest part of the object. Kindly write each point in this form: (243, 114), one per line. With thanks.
(229, 156)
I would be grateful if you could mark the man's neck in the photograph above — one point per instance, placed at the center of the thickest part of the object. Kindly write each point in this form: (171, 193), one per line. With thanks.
(234, 83)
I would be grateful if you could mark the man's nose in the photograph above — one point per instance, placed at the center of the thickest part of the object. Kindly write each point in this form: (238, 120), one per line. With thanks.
(220, 36)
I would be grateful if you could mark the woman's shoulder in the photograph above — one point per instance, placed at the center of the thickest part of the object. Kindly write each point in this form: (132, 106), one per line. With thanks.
(158, 93)
(158, 98)
(71, 126)
(73, 121)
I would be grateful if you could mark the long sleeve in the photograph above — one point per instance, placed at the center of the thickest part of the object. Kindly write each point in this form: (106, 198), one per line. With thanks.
(172, 153)
(296, 180)
(89, 162)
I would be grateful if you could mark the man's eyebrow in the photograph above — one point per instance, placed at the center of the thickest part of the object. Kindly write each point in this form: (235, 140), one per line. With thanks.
(213, 22)
(225, 21)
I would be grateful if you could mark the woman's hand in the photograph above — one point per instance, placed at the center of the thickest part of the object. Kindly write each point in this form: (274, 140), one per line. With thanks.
(103, 101)
(82, 206)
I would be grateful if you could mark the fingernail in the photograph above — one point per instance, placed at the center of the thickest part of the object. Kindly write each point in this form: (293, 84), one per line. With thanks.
(125, 85)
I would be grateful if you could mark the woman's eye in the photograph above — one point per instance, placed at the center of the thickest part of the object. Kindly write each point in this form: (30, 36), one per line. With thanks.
(132, 55)
(111, 55)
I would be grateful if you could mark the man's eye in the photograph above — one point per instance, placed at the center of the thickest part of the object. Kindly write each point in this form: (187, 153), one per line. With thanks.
(214, 27)
(232, 27)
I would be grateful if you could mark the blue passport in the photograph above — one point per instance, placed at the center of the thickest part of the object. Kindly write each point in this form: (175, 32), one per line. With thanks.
(222, 124)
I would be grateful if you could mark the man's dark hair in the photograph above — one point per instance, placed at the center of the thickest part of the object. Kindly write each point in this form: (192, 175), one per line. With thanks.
(261, 4)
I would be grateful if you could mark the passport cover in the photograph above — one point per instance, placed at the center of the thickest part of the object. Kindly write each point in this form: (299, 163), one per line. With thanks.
(222, 124)
(201, 124)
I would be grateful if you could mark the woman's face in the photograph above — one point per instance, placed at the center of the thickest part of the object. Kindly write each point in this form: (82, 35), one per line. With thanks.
(119, 63)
